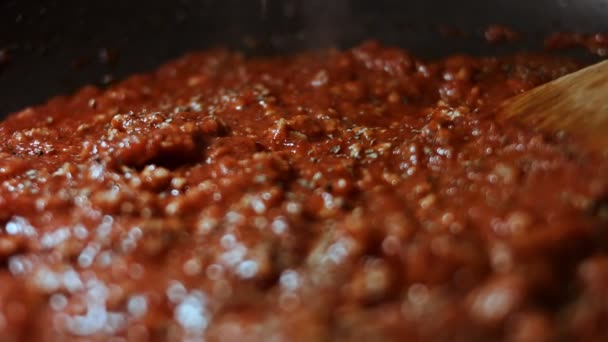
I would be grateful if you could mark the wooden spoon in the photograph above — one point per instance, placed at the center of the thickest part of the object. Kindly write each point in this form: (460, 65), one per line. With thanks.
(576, 104)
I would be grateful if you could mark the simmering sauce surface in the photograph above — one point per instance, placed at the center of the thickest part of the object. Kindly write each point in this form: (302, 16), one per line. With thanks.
(358, 195)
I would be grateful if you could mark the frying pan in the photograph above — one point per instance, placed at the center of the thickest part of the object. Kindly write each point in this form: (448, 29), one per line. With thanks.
(49, 48)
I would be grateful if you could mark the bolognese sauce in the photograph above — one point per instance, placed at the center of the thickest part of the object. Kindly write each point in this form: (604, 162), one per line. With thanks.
(357, 195)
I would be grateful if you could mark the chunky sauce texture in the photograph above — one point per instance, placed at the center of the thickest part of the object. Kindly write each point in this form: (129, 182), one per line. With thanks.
(358, 195)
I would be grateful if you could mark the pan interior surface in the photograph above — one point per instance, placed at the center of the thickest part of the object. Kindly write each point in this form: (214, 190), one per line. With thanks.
(52, 48)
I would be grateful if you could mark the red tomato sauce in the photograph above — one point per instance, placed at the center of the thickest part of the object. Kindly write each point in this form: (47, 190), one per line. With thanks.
(357, 195)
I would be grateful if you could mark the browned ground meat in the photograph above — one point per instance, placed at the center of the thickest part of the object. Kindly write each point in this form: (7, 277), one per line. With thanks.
(359, 195)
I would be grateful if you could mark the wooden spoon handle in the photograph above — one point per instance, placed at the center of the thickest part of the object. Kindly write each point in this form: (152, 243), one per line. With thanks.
(576, 103)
